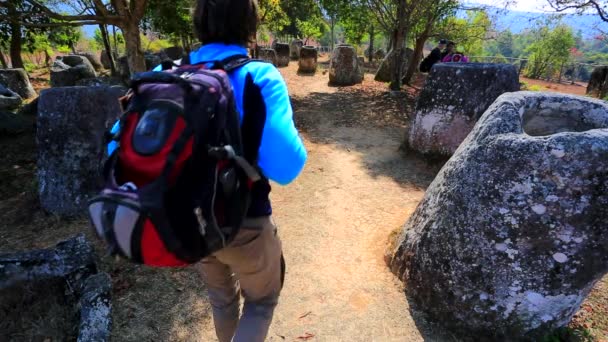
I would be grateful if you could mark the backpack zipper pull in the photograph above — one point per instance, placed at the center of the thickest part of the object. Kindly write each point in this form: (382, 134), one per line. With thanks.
(202, 224)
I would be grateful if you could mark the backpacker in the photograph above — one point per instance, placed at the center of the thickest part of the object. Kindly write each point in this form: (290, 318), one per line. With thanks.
(177, 187)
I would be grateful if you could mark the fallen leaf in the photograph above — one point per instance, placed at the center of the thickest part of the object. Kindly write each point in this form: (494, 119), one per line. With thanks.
(306, 314)
(306, 336)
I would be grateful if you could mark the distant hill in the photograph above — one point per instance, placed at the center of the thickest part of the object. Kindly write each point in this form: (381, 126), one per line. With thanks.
(519, 21)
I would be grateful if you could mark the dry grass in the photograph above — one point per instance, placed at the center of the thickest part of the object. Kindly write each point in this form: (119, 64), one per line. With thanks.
(38, 312)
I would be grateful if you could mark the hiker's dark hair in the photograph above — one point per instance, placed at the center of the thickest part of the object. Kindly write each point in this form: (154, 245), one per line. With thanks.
(226, 21)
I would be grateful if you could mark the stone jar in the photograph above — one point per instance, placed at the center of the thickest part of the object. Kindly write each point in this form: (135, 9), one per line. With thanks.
(70, 137)
(454, 96)
(18, 81)
(344, 68)
(282, 51)
(308, 60)
(511, 236)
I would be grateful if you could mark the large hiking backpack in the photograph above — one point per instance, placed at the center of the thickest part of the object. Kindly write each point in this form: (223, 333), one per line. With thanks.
(177, 187)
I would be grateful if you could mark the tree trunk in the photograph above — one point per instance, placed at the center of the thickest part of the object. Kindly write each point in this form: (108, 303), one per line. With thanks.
(114, 38)
(15, 48)
(333, 33)
(399, 39)
(108, 47)
(47, 58)
(135, 55)
(3, 60)
(371, 43)
(413, 66)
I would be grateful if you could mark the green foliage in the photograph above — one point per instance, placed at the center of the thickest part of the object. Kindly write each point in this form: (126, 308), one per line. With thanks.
(312, 28)
(272, 16)
(65, 36)
(468, 33)
(29, 67)
(535, 87)
(170, 18)
(356, 19)
(154, 45)
(302, 10)
(551, 50)
(120, 41)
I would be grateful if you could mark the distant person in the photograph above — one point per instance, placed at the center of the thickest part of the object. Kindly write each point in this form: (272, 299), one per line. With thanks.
(434, 57)
(453, 56)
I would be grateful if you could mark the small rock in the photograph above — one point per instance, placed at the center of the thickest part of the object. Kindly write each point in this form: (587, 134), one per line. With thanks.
(560, 257)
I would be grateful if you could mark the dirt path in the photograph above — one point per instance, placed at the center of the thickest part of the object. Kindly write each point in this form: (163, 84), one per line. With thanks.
(335, 221)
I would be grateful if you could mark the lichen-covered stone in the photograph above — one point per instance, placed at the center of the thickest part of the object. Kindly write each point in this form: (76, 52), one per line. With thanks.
(269, 55)
(598, 84)
(9, 100)
(282, 51)
(294, 49)
(71, 125)
(384, 73)
(100, 82)
(67, 70)
(93, 59)
(307, 63)
(96, 309)
(69, 257)
(18, 81)
(454, 96)
(73, 262)
(344, 68)
(511, 236)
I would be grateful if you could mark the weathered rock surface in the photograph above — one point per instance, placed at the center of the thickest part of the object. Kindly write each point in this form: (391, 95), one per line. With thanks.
(454, 97)
(152, 60)
(282, 51)
(30, 109)
(269, 55)
(307, 63)
(18, 81)
(93, 59)
(105, 60)
(9, 100)
(71, 125)
(344, 68)
(386, 67)
(294, 49)
(174, 52)
(74, 262)
(12, 124)
(100, 82)
(598, 84)
(96, 309)
(511, 236)
(67, 70)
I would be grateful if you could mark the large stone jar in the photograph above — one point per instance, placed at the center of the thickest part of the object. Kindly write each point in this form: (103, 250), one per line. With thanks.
(511, 236)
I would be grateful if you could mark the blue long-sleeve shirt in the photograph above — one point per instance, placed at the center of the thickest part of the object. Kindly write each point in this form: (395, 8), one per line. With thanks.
(281, 155)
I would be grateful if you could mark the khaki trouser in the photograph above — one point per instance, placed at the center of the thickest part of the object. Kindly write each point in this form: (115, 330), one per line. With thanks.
(253, 261)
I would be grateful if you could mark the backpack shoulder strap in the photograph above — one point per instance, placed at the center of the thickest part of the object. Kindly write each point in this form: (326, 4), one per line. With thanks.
(234, 62)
